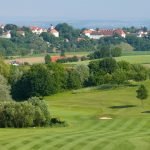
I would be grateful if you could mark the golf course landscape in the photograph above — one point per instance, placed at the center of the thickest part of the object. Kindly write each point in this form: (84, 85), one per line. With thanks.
(75, 75)
(98, 119)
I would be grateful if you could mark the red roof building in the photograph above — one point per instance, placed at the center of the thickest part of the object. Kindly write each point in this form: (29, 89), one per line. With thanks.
(93, 34)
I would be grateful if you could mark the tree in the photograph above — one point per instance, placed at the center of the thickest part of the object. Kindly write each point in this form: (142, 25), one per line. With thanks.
(4, 68)
(67, 32)
(59, 75)
(142, 93)
(40, 80)
(94, 66)
(47, 59)
(83, 72)
(73, 80)
(4, 89)
(108, 65)
(9, 27)
(119, 76)
(116, 52)
(62, 53)
(103, 51)
(139, 72)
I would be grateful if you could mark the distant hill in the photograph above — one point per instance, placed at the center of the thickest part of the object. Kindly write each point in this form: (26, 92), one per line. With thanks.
(77, 23)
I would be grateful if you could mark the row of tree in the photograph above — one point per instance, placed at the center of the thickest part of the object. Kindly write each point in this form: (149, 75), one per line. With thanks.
(108, 71)
(51, 78)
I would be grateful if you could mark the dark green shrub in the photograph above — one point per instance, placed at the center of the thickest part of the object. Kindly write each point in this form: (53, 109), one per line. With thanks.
(31, 113)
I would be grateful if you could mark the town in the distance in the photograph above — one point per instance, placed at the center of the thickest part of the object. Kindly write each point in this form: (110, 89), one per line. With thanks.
(91, 33)
(21, 41)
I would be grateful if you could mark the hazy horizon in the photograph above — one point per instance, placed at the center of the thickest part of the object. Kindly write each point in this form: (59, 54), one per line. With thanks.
(79, 13)
(75, 10)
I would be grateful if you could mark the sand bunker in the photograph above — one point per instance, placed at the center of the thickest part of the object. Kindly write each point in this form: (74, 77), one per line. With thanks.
(105, 118)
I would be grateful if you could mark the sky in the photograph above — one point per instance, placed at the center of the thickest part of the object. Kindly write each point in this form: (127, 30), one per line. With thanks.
(75, 9)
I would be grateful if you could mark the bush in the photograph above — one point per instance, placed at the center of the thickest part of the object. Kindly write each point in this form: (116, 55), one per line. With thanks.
(83, 58)
(108, 65)
(106, 51)
(68, 59)
(42, 114)
(16, 115)
(119, 77)
(57, 122)
(138, 73)
(116, 52)
(33, 112)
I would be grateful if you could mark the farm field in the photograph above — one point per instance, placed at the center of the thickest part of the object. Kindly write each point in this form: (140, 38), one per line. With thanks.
(130, 56)
(129, 128)
(134, 59)
(34, 59)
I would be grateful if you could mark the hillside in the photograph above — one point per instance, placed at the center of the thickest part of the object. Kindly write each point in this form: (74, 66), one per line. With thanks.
(129, 128)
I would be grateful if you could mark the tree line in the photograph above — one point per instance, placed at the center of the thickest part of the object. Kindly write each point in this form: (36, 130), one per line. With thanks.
(22, 88)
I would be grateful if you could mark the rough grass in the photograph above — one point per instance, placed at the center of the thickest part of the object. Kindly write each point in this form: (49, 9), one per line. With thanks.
(128, 130)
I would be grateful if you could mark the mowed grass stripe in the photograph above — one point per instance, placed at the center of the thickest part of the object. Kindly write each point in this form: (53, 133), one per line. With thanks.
(128, 129)
(79, 135)
(73, 135)
(102, 141)
(82, 139)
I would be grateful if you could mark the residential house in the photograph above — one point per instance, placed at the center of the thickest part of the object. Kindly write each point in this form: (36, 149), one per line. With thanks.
(53, 31)
(2, 26)
(22, 33)
(37, 30)
(6, 35)
(97, 34)
(142, 34)
(88, 32)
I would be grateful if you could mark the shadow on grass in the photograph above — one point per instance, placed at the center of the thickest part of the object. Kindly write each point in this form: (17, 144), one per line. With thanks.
(122, 106)
(132, 85)
(146, 112)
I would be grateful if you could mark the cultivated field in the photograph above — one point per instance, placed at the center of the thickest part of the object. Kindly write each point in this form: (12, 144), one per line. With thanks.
(35, 59)
(129, 128)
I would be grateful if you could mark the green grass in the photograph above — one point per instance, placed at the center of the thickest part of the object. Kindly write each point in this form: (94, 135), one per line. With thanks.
(134, 59)
(133, 53)
(128, 130)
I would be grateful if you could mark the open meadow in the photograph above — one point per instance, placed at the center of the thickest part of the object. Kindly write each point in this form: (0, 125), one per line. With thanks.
(110, 119)
(133, 59)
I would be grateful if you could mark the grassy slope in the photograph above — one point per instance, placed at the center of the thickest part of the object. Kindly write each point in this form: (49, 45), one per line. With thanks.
(134, 59)
(128, 130)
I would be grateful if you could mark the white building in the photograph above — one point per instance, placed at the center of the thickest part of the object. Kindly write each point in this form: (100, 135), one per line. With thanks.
(37, 30)
(6, 35)
(53, 31)
(142, 34)
(22, 33)
(2, 26)
(97, 34)
(88, 32)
